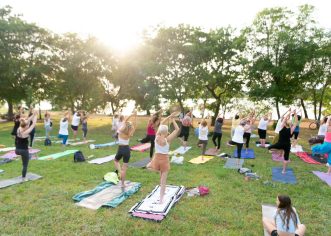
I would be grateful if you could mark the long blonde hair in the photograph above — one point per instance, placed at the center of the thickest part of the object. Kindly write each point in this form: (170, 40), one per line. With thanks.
(126, 128)
(163, 129)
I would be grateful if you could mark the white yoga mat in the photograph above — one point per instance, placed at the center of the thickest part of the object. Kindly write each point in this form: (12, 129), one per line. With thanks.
(18, 180)
(297, 148)
(7, 149)
(181, 150)
(102, 160)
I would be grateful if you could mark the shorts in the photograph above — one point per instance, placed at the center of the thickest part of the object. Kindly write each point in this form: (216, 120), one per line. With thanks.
(123, 151)
(295, 134)
(160, 162)
(184, 132)
(64, 138)
(74, 128)
(274, 233)
(262, 133)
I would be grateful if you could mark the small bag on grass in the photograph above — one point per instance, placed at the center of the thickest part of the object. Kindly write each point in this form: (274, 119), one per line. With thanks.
(79, 157)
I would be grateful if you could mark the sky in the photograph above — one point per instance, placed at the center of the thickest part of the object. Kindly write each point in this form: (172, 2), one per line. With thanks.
(119, 23)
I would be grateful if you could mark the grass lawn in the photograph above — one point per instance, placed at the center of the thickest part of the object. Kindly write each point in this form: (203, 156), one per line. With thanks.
(233, 207)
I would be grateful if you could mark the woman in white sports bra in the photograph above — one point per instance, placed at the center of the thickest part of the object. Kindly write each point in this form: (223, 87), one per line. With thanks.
(124, 133)
(160, 161)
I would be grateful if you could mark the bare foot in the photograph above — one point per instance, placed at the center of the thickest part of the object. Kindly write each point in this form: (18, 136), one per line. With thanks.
(283, 172)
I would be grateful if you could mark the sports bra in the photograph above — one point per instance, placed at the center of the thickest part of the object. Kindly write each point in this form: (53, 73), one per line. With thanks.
(123, 141)
(162, 149)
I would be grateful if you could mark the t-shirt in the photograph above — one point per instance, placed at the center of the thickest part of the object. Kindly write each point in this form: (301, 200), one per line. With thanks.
(75, 120)
(203, 132)
(47, 122)
(322, 130)
(278, 126)
(281, 227)
(285, 136)
(263, 124)
(218, 127)
(238, 134)
(64, 127)
(248, 128)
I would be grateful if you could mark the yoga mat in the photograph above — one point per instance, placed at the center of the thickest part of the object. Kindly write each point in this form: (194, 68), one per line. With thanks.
(1, 171)
(277, 156)
(307, 157)
(177, 160)
(323, 176)
(57, 155)
(7, 149)
(287, 178)
(297, 148)
(141, 147)
(199, 160)
(245, 155)
(42, 137)
(12, 154)
(68, 140)
(265, 146)
(5, 160)
(82, 142)
(231, 163)
(18, 180)
(96, 146)
(269, 212)
(102, 160)
(211, 152)
(181, 150)
(140, 164)
(111, 196)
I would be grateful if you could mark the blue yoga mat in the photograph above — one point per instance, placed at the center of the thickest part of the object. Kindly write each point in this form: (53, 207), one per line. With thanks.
(287, 178)
(249, 155)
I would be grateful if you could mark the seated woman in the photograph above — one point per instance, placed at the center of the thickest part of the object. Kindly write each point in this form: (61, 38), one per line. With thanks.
(286, 221)
(321, 133)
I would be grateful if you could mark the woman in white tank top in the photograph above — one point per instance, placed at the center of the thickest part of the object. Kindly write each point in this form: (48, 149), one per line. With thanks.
(160, 161)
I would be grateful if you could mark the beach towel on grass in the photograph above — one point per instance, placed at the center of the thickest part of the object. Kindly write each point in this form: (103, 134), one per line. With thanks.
(57, 155)
(312, 159)
(249, 154)
(231, 163)
(7, 149)
(82, 142)
(18, 180)
(323, 176)
(150, 208)
(141, 163)
(211, 152)
(5, 160)
(297, 148)
(103, 159)
(269, 212)
(287, 178)
(12, 154)
(201, 159)
(97, 146)
(110, 196)
(141, 147)
(181, 150)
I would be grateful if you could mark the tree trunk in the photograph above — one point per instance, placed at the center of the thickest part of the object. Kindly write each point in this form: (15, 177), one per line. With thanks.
(10, 114)
(304, 108)
(321, 102)
(216, 111)
(148, 112)
(277, 108)
(39, 111)
(315, 104)
(181, 105)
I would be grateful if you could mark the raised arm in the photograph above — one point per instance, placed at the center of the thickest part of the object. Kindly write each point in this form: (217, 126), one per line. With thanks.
(295, 122)
(174, 133)
(173, 115)
(34, 121)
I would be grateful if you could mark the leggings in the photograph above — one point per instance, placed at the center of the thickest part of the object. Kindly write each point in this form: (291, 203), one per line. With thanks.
(24, 153)
(282, 146)
(149, 138)
(217, 136)
(84, 132)
(204, 146)
(32, 137)
(247, 137)
(239, 147)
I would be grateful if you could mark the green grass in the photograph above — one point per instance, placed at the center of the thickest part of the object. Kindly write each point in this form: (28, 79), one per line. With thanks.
(233, 207)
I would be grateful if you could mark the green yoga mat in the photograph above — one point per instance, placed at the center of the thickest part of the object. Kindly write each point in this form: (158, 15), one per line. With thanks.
(57, 155)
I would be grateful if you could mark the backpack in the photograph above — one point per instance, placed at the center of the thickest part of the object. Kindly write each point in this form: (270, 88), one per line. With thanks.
(48, 142)
(79, 157)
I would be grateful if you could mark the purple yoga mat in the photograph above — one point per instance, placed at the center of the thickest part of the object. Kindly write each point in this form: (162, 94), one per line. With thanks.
(12, 154)
(323, 176)
(276, 156)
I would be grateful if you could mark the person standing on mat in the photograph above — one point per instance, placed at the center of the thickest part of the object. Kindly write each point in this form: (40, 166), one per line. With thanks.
(218, 132)
(325, 148)
(262, 129)
(17, 118)
(152, 125)
(248, 130)
(48, 124)
(125, 133)
(279, 126)
(84, 124)
(286, 221)
(75, 123)
(296, 130)
(284, 142)
(160, 161)
(235, 123)
(22, 140)
(33, 131)
(185, 128)
(63, 132)
(238, 139)
(203, 137)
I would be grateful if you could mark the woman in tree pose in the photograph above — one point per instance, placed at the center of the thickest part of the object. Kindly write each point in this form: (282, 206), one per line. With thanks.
(22, 140)
(185, 128)
(325, 148)
(235, 123)
(63, 132)
(248, 129)
(33, 131)
(203, 136)
(48, 124)
(262, 129)
(284, 142)
(123, 151)
(296, 130)
(218, 132)
(160, 161)
(84, 117)
(286, 221)
(75, 122)
(152, 125)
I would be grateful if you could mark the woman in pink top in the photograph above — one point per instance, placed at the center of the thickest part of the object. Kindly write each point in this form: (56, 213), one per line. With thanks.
(152, 125)
(325, 148)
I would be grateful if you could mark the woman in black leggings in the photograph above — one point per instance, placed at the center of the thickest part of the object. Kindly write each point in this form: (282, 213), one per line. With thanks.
(218, 132)
(22, 141)
(284, 142)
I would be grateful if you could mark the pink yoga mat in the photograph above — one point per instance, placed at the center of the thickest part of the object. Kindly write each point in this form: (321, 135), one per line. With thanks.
(276, 156)
(141, 147)
(12, 154)
(148, 216)
(323, 176)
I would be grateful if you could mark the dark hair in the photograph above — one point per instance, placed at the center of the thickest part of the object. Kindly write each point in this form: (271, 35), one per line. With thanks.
(204, 123)
(325, 119)
(220, 120)
(155, 119)
(17, 117)
(299, 117)
(236, 117)
(285, 204)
